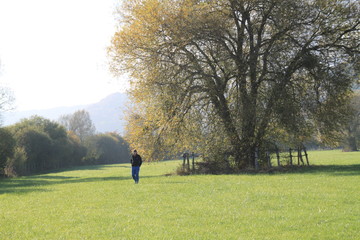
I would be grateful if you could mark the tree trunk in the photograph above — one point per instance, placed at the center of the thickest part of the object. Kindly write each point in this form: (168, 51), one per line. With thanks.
(351, 144)
(230, 129)
(249, 144)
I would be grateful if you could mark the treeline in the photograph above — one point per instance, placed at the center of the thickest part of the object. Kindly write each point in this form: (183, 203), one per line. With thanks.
(37, 144)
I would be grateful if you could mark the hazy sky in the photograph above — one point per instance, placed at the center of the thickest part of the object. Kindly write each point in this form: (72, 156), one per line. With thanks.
(53, 52)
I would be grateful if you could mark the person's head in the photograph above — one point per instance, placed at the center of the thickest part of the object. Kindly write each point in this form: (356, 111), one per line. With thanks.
(135, 152)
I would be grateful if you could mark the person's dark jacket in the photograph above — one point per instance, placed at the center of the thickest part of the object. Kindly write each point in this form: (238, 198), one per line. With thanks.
(136, 160)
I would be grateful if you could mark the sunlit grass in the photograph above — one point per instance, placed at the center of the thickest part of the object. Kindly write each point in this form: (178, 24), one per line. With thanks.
(102, 202)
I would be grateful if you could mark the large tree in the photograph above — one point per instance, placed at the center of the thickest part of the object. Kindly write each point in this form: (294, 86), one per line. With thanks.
(247, 67)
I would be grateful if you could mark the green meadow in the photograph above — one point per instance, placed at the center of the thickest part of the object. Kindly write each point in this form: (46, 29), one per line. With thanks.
(102, 202)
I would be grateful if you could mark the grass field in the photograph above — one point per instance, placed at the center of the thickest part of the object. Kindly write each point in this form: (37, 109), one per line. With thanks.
(102, 202)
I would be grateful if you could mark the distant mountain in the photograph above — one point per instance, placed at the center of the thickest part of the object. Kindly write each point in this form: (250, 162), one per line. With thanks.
(107, 115)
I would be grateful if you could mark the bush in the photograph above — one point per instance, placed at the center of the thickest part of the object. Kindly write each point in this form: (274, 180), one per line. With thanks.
(37, 144)
(106, 148)
(216, 160)
(7, 145)
(43, 145)
(17, 164)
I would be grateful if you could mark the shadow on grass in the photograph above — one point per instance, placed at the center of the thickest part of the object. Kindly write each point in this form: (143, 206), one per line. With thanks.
(88, 167)
(36, 183)
(341, 170)
(333, 170)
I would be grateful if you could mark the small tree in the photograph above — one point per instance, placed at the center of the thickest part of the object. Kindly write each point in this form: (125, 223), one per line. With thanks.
(79, 123)
(76, 148)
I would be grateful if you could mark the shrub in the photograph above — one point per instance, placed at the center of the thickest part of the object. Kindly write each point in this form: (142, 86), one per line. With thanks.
(7, 145)
(106, 148)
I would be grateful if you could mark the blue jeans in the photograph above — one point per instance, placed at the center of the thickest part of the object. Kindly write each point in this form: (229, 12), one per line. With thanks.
(135, 173)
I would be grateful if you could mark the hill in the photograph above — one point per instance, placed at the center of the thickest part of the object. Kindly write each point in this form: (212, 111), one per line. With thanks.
(107, 114)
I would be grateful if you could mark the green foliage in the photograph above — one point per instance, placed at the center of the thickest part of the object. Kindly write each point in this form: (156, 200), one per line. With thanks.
(106, 148)
(351, 131)
(76, 150)
(102, 202)
(41, 145)
(37, 145)
(17, 165)
(7, 145)
(244, 70)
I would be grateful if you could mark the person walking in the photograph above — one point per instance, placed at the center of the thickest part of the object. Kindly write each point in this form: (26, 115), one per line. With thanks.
(136, 162)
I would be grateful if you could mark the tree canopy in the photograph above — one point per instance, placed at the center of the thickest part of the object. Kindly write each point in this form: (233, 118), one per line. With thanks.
(236, 74)
(79, 123)
(38, 144)
(7, 145)
(106, 148)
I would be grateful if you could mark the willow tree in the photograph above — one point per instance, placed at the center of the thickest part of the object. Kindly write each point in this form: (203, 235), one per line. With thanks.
(245, 68)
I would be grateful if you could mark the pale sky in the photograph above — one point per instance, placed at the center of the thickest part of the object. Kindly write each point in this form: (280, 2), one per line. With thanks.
(53, 52)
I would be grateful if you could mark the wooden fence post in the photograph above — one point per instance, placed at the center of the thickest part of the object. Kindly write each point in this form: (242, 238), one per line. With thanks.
(298, 155)
(188, 161)
(306, 156)
(193, 161)
(268, 159)
(277, 156)
(301, 156)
